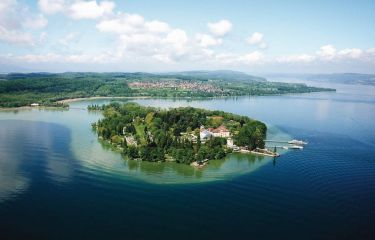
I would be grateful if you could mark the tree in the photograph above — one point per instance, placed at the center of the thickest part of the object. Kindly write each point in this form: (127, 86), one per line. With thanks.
(132, 152)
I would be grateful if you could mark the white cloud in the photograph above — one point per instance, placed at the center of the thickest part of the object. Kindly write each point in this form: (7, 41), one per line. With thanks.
(157, 26)
(263, 45)
(36, 23)
(51, 6)
(90, 9)
(124, 23)
(68, 38)
(132, 23)
(354, 53)
(303, 58)
(16, 21)
(141, 40)
(16, 37)
(230, 59)
(220, 28)
(70, 58)
(177, 40)
(38, 58)
(255, 38)
(205, 40)
(145, 43)
(177, 36)
(144, 39)
(77, 9)
(6, 4)
(43, 37)
(327, 52)
(254, 57)
(89, 58)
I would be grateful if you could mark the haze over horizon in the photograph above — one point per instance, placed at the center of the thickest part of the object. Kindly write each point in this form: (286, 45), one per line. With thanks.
(130, 36)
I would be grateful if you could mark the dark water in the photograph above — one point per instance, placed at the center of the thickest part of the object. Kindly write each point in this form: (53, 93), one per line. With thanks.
(57, 182)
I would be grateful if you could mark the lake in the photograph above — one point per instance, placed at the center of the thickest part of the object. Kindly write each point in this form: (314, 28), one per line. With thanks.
(58, 182)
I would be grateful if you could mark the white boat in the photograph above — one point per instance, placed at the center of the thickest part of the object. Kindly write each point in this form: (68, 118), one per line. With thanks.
(295, 147)
(297, 142)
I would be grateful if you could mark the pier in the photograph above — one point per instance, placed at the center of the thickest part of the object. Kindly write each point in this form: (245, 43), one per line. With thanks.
(283, 147)
(294, 142)
(276, 141)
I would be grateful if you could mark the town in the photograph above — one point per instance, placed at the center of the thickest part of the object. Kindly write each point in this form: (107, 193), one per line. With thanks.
(194, 86)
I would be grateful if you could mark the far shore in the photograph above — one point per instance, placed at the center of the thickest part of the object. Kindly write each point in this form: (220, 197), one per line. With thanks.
(30, 108)
(69, 100)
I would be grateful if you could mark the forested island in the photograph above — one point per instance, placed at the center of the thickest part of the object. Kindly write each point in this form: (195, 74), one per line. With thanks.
(47, 89)
(184, 135)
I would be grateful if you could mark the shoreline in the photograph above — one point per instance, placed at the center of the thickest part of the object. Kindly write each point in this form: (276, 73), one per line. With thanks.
(30, 108)
(69, 100)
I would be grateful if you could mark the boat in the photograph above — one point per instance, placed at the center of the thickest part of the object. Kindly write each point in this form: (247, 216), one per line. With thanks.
(295, 147)
(297, 142)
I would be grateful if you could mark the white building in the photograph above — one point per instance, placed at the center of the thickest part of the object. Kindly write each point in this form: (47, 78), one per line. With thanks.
(204, 134)
(221, 131)
(230, 142)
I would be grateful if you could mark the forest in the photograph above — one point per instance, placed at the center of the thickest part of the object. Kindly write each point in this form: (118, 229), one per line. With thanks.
(154, 134)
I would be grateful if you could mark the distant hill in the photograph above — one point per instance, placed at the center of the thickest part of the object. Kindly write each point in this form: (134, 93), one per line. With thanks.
(225, 75)
(6, 68)
(345, 78)
(221, 75)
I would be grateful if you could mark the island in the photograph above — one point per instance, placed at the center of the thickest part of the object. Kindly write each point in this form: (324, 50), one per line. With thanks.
(56, 89)
(185, 135)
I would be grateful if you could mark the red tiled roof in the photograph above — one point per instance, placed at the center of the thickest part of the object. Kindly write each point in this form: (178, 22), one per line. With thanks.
(222, 128)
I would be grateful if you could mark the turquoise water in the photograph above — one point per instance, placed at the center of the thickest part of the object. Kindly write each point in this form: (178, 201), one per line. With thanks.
(58, 182)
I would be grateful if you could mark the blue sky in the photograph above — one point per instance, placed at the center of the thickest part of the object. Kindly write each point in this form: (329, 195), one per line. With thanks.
(139, 35)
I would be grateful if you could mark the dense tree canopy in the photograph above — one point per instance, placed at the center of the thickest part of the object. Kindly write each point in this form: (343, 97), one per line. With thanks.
(155, 134)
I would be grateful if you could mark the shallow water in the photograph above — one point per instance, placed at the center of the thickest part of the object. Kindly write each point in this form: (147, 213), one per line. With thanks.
(58, 181)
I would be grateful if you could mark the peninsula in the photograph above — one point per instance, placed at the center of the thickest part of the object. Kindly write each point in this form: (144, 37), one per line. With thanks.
(50, 89)
(184, 135)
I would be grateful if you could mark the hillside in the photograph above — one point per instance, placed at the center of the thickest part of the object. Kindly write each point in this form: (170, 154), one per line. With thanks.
(224, 75)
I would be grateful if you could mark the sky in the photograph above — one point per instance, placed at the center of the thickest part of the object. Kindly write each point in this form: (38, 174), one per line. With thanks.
(265, 36)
